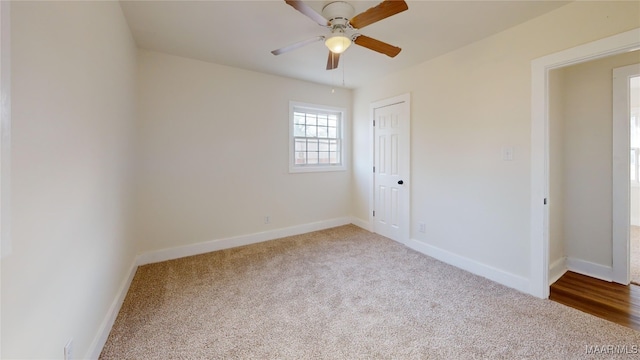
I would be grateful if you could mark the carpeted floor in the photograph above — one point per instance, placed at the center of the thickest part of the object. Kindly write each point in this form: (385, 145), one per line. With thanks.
(634, 238)
(342, 293)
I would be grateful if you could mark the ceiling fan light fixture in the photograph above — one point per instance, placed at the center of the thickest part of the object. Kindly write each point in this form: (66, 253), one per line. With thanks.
(338, 43)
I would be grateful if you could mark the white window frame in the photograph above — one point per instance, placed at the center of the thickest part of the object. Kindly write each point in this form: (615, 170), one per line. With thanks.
(293, 168)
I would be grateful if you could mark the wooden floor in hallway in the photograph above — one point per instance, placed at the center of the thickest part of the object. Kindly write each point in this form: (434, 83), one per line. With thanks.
(607, 300)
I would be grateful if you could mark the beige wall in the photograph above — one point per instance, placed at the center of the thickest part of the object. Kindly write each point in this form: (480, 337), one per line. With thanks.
(467, 105)
(213, 154)
(556, 167)
(73, 93)
(588, 133)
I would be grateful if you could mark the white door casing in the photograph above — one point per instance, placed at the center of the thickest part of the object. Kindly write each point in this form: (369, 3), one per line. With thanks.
(621, 176)
(391, 188)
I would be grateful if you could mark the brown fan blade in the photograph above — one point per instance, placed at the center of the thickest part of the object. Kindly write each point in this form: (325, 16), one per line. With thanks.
(381, 11)
(377, 45)
(297, 45)
(332, 61)
(308, 12)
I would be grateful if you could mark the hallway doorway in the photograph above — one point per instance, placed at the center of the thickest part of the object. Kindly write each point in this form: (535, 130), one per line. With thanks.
(594, 158)
(626, 108)
(543, 265)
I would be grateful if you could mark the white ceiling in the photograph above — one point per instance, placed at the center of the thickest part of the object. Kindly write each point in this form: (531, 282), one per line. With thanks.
(243, 33)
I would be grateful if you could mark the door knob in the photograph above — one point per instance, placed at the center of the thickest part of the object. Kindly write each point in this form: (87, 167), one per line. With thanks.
(400, 182)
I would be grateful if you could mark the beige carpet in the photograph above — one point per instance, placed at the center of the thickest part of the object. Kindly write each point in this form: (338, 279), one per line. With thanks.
(342, 293)
(634, 238)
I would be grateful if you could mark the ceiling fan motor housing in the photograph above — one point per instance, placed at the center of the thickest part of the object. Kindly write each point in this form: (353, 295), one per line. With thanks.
(338, 13)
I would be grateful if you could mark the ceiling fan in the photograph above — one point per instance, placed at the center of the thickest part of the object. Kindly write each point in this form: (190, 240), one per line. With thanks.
(338, 17)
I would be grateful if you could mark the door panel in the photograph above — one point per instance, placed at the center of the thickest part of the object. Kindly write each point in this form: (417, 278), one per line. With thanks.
(382, 201)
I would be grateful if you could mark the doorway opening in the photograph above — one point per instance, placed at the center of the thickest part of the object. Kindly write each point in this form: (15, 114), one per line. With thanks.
(597, 229)
(540, 69)
(588, 189)
(626, 109)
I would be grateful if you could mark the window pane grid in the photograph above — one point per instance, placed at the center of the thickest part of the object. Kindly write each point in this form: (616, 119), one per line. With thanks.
(316, 138)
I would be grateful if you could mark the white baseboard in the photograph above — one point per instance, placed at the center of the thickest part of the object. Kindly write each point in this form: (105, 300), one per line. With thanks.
(227, 243)
(105, 328)
(590, 269)
(500, 276)
(557, 269)
(361, 223)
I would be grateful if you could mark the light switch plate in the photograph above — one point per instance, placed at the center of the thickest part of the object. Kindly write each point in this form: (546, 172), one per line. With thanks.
(507, 153)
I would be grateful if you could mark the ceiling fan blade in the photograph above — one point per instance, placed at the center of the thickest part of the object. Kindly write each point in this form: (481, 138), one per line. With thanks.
(377, 45)
(297, 45)
(381, 11)
(308, 12)
(332, 61)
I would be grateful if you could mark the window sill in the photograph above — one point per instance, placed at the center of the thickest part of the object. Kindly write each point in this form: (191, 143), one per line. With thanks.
(309, 169)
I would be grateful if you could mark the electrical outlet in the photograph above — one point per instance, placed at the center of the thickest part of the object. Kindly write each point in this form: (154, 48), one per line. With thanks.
(422, 227)
(267, 219)
(68, 350)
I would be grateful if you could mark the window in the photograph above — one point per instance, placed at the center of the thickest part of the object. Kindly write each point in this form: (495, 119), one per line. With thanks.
(316, 141)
